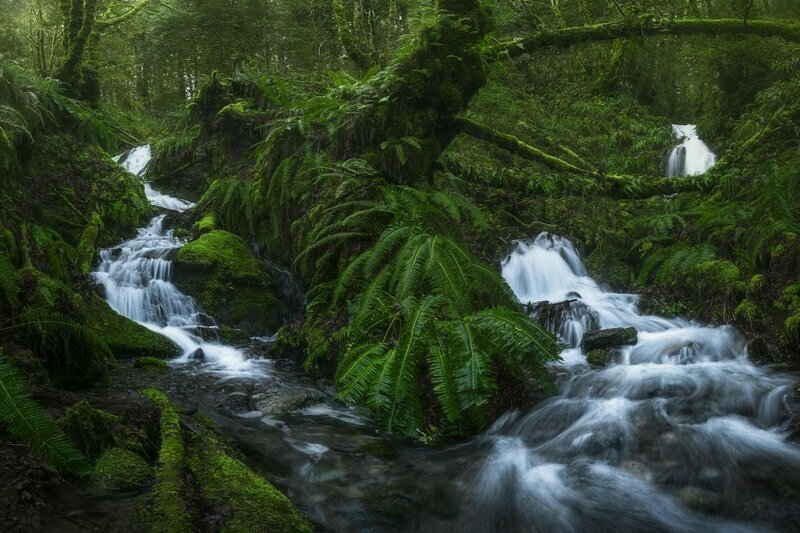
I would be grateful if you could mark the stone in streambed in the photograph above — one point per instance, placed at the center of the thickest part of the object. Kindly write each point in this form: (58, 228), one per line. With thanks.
(287, 401)
(700, 500)
(608, 338)
(197, 355)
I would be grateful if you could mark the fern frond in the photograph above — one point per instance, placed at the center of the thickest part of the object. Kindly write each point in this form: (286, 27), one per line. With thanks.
(27, 421)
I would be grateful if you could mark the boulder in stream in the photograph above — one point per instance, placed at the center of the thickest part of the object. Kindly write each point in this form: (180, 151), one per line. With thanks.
(605, 339)
(286, 401)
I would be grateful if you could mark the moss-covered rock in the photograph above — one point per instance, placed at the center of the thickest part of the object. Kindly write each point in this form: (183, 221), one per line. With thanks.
(126, 338)
(230, 283)
(92, 430)
(119, 469)
(151, 363)
(250, 502)
(598, 357)
(169, 511)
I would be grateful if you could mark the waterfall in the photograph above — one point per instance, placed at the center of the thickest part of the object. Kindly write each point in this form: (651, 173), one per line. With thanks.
(692, 156)
(681, 413)
(136, 278)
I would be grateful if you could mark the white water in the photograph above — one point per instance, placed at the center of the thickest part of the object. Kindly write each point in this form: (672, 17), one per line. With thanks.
(682, 410)
(692, 156)
(136, 277)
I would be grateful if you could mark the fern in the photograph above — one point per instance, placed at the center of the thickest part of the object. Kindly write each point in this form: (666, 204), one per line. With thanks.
(28, 422)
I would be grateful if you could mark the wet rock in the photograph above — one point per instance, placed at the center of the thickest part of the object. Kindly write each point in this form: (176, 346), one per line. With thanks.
(599, 357)
(236, 402)
(551, 315)
(700, 500)
(198, 355)
(608, 338)
(287, 401)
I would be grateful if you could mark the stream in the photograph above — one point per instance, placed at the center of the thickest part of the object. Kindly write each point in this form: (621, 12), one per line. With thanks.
(680, 432)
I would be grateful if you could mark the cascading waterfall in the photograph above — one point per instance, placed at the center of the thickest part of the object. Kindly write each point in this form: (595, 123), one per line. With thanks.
(682, 417)
(136, 279)
(692, 156)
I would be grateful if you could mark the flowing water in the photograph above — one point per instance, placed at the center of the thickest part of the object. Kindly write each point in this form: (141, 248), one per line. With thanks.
(136, 275)
(681, 432)
(692, 156)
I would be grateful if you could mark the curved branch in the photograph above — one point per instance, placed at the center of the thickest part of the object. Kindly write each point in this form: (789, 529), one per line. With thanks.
(647, 26)
(105, 23)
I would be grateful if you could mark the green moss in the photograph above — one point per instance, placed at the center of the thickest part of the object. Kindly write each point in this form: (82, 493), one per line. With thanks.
(229, 282)
(126, 338)
(746, 310)
(597, 357)
(169, 510)
(87, 245)
(119, 469)
(151, 363)
(251, 502)
(207, 223)
(92, 430)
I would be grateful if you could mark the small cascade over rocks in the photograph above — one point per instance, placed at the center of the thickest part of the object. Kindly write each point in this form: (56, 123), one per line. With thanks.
(692, 156)
(679, 422)
(136, 278)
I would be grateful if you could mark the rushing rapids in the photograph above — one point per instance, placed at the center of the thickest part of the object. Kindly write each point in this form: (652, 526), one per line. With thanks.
(681, 419)
(692, 156)
(136, 280)
(680, 432)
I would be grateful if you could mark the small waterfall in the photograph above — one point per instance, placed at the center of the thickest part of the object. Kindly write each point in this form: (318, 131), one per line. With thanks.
(681, 413)
(692, 156)
(136, 275)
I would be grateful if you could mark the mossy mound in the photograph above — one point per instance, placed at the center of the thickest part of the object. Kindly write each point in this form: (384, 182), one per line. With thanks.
(126, 338)
(119, 469)
(151, 363)
(92, 430)
(229, 282)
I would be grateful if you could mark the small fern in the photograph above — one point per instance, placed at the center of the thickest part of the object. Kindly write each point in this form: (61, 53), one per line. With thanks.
(28, 422)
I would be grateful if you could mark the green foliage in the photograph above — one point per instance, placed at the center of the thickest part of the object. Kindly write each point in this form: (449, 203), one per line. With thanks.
(28, 422)
(423, 311)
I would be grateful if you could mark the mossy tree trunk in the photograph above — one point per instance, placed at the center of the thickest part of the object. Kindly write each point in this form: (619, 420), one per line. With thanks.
(80, 25)
(416, 102)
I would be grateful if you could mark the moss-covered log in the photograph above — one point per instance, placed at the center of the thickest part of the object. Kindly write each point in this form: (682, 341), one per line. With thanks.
(646, 26)
(615, 186)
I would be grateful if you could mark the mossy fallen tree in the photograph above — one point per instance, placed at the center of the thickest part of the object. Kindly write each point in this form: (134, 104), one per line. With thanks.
(612, 185)
(645, 26)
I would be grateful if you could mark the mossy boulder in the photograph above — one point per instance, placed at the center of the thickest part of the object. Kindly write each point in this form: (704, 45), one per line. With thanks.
(119, 469)
(248, 501)
(126, 338)
(229, 282)
(92, 430)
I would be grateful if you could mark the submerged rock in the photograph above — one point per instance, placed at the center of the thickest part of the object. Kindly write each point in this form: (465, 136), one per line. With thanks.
(198, 355)
(287, 401)
(700, 500)
(608, 338)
